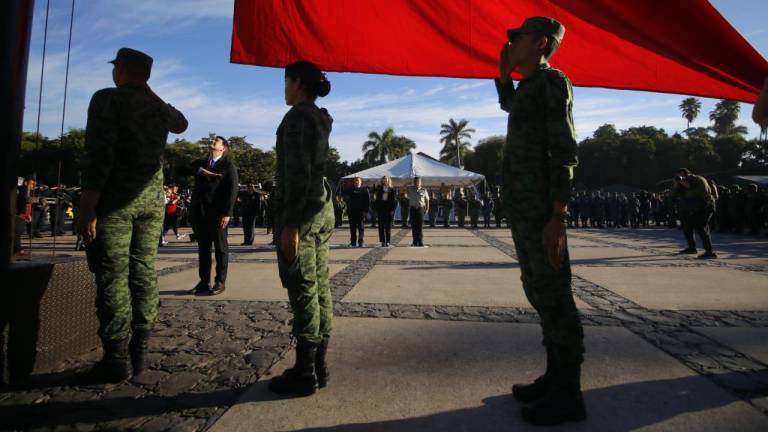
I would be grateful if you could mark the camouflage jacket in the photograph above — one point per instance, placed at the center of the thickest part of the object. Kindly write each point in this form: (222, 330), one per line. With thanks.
(302, 151)
(124, 141)
(540, 151)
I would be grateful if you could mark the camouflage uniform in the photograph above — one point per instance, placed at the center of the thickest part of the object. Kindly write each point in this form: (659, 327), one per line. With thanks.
(446, 205)
(303, 199)
(125, 137)
(539, 156)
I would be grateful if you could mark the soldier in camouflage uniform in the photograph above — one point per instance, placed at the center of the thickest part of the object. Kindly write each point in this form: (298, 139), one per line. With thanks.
(304, 224)
(122, 208)
(461, 205)
(446, 204)
(539, 157)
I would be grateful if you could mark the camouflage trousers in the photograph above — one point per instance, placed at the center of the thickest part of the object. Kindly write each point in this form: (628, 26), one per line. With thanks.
(123, 259)
(549, 292)
(307, 278)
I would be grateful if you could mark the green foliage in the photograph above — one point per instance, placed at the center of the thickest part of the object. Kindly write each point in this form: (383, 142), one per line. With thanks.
(487, 158)
(642, 156)
(45, 156)
(384, 147)
(724, 117)
(690, 107)
(454, 147)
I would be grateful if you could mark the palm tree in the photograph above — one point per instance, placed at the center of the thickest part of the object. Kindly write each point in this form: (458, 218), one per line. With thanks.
(724, 116)
(381, 148)
(451, 136)
(401, 146)
(690, 107)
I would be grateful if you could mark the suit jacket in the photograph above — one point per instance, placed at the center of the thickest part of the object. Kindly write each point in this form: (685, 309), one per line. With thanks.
(382, 205)
(214, 196)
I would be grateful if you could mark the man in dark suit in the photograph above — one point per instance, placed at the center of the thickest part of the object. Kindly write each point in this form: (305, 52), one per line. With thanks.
(213, 202)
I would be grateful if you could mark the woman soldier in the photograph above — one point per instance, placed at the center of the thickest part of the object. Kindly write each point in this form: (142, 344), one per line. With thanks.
(304, 221)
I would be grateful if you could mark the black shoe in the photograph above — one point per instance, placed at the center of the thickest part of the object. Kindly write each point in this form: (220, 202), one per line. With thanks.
(217, 289)
(556, 407)
(383, 244)
(360, 244)
(37, 235)
(707, 255)
(138, 349)
(352, 244)
(114, 367)
(687, 251)
(321, 367)
(201, 288)
(528, 393)
(300, 380)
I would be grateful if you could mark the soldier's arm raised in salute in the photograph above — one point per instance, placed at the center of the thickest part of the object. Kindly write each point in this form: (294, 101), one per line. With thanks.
(504, 85)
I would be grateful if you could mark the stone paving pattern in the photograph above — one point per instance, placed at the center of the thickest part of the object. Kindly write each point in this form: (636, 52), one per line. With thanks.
(205, 353)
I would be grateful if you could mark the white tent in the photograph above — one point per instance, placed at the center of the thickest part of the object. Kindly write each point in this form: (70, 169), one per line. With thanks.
(433, 173)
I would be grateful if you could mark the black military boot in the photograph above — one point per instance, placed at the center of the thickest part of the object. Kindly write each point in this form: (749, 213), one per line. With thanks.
(321, 367)
(114, 366)
(528, 393)
(138, 349)
(562, 403)
(300, 380)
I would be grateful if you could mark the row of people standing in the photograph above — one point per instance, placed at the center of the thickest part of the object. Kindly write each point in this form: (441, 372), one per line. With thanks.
(381, 206)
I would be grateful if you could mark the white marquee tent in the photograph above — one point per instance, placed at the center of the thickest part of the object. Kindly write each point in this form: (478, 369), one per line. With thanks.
(433, 173)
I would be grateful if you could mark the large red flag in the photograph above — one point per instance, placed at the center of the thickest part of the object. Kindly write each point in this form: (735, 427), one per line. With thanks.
(679, 46)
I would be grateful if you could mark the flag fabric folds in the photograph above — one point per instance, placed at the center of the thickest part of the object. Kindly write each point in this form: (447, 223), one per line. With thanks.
(680, 46)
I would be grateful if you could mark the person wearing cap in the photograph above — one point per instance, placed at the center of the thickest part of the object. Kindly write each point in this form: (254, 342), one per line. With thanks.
(121, 211)
(696, 206)
(418, 204)
(304, 222)
(539, 157)
(213, 203)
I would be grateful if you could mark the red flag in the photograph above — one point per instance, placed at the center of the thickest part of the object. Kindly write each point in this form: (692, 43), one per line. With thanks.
(655, 45)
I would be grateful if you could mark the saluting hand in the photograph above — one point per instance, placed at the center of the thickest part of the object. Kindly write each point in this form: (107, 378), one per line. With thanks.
(505, 63)
(207, 173)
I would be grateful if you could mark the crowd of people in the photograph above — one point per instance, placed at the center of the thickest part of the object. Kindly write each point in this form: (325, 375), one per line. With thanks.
(738, 209)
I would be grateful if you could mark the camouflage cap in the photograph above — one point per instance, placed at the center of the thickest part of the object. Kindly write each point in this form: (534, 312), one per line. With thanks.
(129, 55)
(539, 24)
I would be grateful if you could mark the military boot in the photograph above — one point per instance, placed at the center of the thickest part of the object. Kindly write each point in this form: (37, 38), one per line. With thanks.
(532, 392)
(562, 403)
(114, 366)
(300, 380)
(138, 349)
(321, 367)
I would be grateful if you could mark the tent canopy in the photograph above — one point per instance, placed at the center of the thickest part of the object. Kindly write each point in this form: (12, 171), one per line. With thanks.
(433, 173)
(666, 46)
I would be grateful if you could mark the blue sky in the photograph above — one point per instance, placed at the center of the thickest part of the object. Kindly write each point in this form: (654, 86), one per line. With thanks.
(190, 42)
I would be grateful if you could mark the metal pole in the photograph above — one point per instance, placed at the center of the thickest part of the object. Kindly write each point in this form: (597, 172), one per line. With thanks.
(15, 28)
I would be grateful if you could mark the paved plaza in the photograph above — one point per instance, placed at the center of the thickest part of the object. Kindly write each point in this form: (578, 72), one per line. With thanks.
(432, 339)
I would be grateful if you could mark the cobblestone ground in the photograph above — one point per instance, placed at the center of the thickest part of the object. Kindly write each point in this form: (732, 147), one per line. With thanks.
(204, 354)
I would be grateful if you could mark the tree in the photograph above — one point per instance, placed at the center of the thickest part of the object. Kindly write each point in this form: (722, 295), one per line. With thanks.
(401, 146)
(487, 158)
(690, 107)
(378, 149)
(381, 148)
(724, 117)
(730, 149)
(452, 134)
